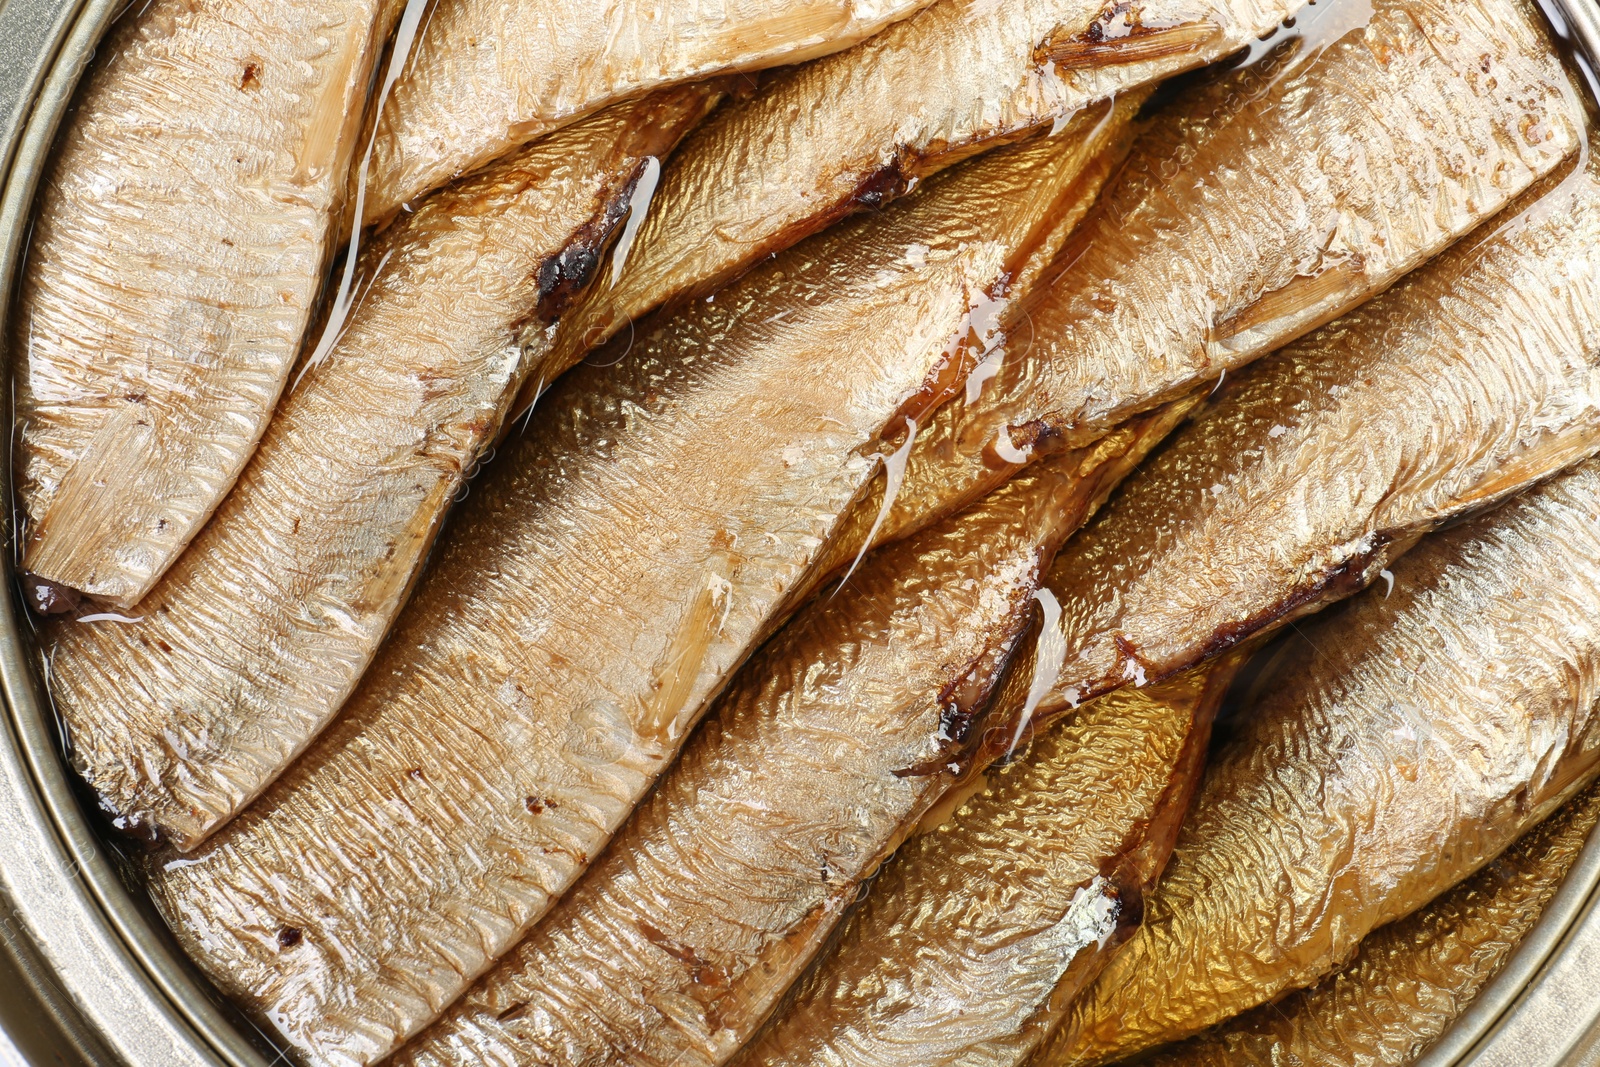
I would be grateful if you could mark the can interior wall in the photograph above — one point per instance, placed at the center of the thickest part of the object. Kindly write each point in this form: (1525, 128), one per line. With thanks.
(88, 975)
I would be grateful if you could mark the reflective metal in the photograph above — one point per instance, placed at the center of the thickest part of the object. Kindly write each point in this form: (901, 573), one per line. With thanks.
(89, 976)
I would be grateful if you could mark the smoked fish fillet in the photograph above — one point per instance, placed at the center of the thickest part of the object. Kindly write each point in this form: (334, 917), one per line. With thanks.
(248, 646)
(973, 941)
(599, 586)
(1255, 208)
(178, 247)
(854, 130)
(1413, 978)
(1474, 378)
(489, 75)
(833, 742)
(1405, 743)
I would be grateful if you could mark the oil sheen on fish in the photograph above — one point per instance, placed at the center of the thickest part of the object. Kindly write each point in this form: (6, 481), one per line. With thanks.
(251, 642)
(1413, 978)
(1476, 376)
(489, 75)
(178, 245)
(852, 130)
(1254, 209)
(979, 933)
(600, 584)
(1402, 745)
(832, 743)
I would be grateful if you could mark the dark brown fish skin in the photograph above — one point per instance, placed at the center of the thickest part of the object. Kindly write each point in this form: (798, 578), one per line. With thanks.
(489, 75)
(248, 646)
(599, 586)
(854, 130)
(1256, 208)
(832, 743)
(178, 246)
(1472, 379)
(1413, 978)
(1402, 745)
(978, 934)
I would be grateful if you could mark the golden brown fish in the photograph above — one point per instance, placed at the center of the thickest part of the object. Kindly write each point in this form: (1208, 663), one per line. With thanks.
(247, 647)
(829, 747)
(1256, 208)
(853, 130)
(1412, 978)
(178, 246)
(489, 75)
(1402, 745)
(602, 582)
(1472, 379)
(976, 937)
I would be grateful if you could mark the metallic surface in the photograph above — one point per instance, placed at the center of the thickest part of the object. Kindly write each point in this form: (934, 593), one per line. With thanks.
(248, 646)
(834, 740)
(1398, 747)
(90, 977)
(1234, 227)
(601, 583)
(488, 75)
(855, 129)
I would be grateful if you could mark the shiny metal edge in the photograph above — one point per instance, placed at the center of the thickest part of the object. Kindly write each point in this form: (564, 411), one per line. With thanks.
(123, 977)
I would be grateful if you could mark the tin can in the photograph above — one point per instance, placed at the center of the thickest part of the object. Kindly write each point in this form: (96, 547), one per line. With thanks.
(88, 973)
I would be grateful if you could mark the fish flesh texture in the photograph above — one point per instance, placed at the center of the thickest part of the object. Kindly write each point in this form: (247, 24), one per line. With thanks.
(178, 247)
(853, 130)
(1413, 978)
(251, 642)
(1472, 379)
(1258, 206)
(834, 740)
(489, 75)
(979, 933)
(1401, 746)
(601, 583)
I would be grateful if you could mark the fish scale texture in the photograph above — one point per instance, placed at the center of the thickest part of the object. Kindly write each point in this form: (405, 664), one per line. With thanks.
(1472, 379)
(170, 279)
(1402, 745)
(248, 646)
(1260, 206)
(716, 894)
(1412, 978)
(853, 129)
(599, 585)
(489, 75)
(974, 938)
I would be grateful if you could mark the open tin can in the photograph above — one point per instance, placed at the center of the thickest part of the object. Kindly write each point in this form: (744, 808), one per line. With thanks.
(88, 973)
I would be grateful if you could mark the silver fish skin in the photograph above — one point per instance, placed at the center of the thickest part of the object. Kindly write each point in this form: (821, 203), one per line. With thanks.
(1402, 745)
(178, 246)
(1472, 379)
(1413, 978)
(489, 75)
(248, 646)
(973, 941)
(853, 130)
(822, 755)
(599, 586)
(1254, 209)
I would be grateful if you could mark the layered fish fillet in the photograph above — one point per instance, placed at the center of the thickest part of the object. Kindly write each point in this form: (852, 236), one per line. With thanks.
(245, 649)
(1401, 746)
(600, 584)
(487, 76)
(178, 247)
